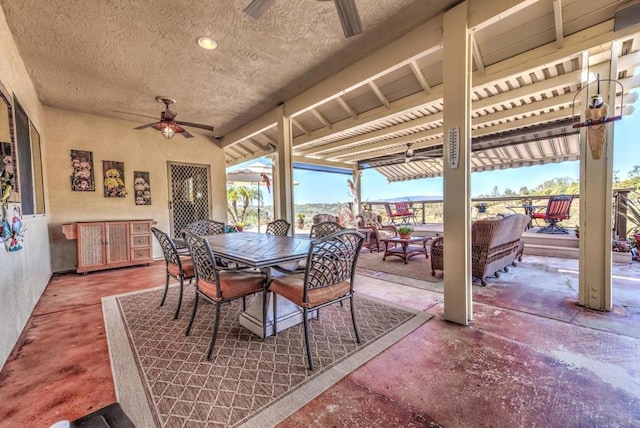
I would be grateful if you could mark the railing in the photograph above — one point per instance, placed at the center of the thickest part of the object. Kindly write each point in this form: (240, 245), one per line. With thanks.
(431, 210)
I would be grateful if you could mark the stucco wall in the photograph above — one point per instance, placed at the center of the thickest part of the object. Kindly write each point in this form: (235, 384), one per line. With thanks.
(23, 274)
(140, 150)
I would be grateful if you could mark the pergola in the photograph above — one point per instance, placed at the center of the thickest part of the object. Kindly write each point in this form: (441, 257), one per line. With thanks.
(508, 73)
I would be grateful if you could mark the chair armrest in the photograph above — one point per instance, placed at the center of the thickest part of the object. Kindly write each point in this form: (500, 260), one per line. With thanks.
(437, 247)
(390, 227)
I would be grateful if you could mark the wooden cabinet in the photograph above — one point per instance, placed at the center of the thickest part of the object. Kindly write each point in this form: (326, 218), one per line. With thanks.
(111, 244)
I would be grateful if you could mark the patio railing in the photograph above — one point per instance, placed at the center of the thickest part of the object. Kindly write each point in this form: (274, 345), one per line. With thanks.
(431, 211)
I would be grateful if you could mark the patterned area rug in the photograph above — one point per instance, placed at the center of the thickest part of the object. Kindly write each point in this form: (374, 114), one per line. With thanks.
(418, 267)
(163, 377)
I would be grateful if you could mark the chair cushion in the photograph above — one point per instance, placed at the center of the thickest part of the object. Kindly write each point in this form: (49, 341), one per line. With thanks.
(292, 286)
(187, 267)
(233, 284)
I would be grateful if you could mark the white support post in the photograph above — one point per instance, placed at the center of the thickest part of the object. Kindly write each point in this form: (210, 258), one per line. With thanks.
(283, 170)
(457, 200)
(596, 196)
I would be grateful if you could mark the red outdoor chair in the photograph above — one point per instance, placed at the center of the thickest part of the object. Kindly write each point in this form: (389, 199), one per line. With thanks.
(557, 210)
(402, 210)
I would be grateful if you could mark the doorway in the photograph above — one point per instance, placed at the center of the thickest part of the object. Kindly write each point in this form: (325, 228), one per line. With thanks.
(188, 195)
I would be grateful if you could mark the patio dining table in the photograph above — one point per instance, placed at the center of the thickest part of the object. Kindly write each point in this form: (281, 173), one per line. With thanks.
(262, 251)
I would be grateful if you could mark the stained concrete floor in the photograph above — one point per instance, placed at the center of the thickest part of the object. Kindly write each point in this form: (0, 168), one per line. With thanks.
(531, 357)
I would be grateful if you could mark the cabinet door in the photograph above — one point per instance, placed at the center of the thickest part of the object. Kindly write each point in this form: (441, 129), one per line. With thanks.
(91, 245)
(117, 242)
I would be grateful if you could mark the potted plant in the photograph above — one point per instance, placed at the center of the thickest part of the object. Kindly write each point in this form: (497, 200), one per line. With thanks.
(239, 226)
(577, 231)
(481, 207)
(300, 222)
(404, 232)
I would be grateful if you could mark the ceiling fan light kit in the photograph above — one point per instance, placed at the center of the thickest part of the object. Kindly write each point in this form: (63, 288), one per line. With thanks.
(167, 132)
(167, 125)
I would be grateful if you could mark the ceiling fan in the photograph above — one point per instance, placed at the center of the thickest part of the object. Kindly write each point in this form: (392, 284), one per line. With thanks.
(347, 12)
(167, 125)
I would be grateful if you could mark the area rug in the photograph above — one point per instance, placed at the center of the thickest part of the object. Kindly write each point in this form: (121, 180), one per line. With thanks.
(418, 267)
(163, 378)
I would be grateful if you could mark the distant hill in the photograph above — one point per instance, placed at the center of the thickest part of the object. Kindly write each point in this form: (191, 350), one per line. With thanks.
(408, 198)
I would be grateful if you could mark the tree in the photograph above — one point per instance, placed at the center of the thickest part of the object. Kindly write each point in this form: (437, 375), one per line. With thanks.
(509, 192)
(635, 172)
(495, 191)
(241, 196)
(524, 190)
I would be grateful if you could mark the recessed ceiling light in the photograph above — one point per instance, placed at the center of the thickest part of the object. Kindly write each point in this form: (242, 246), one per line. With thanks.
(207, 43)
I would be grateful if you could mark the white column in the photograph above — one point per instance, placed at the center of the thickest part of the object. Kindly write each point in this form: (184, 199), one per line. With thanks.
(283, 171)
(596, 196)
(457, 201)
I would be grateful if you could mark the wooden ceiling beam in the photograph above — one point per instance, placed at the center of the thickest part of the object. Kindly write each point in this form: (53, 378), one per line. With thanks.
(433, 119)
(477, 56)
(419, 42)
(257, 126)
(532, 109)
(376, 90)
(420, 76)
(383, 147)
(557, 18)
(347, 108)
(324, 162)
(381, 133)
(321, 118)
(298, 125)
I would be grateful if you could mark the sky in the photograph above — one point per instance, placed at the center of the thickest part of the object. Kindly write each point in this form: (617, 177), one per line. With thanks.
(317, 187)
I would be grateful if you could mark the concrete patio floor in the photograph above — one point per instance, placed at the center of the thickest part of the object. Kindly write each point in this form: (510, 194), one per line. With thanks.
(531, 357)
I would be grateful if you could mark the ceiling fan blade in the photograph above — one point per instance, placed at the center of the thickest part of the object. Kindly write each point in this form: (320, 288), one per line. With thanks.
(148, 125)
(257, 8)
(349, 17)
(185, 134)
(195, 125)
(136, 114)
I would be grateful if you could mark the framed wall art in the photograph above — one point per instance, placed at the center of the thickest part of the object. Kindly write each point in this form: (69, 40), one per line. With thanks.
(113, 179)
(142, 188)
(9, 190)
(82, 178)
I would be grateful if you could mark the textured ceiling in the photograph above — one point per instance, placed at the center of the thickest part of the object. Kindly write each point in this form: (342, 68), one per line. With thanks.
(118, 55)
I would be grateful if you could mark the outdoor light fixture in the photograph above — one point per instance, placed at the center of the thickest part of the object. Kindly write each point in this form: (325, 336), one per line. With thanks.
(207, 43)
(167, 131)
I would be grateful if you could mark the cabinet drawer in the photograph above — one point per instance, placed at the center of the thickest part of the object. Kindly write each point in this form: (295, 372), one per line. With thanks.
(141, 241)
(140, 227)
(140, 254)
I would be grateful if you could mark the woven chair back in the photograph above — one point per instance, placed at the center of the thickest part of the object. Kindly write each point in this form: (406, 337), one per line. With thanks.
(169, 249)
(321, 218)
(203, 260)
(321, 230)
(332, 260)
(278, 227)
(206, 227)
